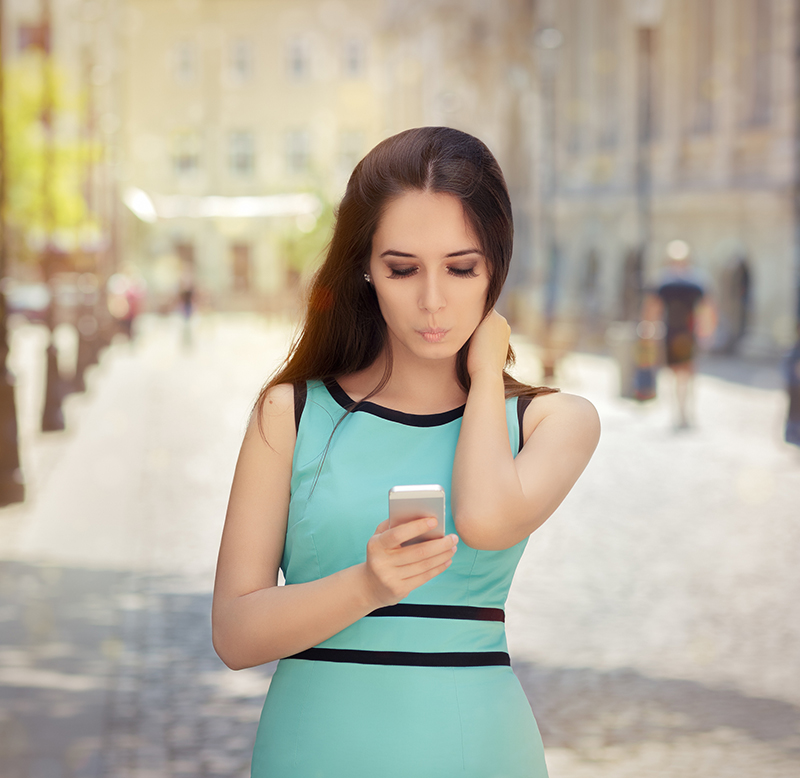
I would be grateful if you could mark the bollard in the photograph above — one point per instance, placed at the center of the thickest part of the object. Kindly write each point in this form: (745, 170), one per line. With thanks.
(792, 366)
(12, 486)
(86, 325)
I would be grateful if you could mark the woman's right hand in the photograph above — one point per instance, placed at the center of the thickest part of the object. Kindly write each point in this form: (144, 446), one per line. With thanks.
(394, 570)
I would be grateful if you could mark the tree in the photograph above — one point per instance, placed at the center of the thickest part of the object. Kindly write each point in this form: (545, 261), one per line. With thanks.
(37, 208)
(302, 248)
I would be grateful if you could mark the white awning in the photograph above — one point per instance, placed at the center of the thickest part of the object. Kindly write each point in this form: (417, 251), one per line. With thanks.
(149, 208)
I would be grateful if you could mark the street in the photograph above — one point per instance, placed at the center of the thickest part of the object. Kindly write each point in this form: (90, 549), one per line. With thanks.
(654, 620)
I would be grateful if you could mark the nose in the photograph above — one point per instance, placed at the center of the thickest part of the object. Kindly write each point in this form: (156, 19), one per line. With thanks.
(431, 295)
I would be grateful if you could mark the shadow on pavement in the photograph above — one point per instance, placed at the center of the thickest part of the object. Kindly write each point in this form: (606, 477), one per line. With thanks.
(624, 707)
(760, 373)
(107, 673)
(104, 672)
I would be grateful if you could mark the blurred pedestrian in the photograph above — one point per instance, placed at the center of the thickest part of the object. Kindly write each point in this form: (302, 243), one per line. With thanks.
(126, 294)
(792, 366)
(676, 301)
(397, 378)
(186, 298)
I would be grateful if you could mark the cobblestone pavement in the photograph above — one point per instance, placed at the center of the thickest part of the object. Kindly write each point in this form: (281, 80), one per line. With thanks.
(654, 621)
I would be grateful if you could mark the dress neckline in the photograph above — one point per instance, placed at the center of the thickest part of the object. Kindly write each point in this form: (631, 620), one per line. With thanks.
(390, 414)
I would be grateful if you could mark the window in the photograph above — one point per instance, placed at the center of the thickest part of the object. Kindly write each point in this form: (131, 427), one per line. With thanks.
(351, 145)
(241, 267)
(297, 151)
(656, 86)
(241, 153)
(703, 59)
(240, 60)
(185, 252)
(298, 59)
(755, 62)
(354, 59)
(185, 62)
(185, 153)
(575, 51)
(33, 36)
(607, 73)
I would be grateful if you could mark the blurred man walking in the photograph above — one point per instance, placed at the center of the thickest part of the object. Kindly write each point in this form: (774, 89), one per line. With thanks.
(676, 300)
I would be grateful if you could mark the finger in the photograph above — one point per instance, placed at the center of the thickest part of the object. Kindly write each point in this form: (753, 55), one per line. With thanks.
(422, 566)
(409, 555)
(382, 527)
(397, 535)
(418, 580)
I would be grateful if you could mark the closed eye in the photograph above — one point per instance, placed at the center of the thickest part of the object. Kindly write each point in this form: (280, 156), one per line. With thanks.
(402, 272)
(406, 272)
(462, 272)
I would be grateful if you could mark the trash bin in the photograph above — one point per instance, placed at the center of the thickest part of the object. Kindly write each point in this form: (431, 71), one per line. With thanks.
(637, 349)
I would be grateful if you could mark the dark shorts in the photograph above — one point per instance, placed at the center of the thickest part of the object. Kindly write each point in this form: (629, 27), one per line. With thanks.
(680, 348)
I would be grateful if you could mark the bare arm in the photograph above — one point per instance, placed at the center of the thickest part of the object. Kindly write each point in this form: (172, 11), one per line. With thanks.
(254, 620)
(499, 500)
(652, 307)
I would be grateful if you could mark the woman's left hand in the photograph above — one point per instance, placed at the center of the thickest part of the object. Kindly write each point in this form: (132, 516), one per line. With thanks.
(488, 347)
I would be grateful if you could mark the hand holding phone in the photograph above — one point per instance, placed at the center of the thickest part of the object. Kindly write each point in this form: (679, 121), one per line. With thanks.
(416, 501)
(416, 516)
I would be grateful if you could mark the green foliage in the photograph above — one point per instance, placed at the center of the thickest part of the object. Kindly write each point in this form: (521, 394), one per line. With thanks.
(303, 251)
(35, 206)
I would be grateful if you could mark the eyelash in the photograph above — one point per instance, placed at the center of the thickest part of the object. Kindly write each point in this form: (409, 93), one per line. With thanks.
(468, 272)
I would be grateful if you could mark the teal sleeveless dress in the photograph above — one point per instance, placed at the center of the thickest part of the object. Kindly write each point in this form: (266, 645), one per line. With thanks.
(423, 689)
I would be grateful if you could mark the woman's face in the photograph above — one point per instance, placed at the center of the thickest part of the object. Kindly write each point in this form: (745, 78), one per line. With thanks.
(429, 273)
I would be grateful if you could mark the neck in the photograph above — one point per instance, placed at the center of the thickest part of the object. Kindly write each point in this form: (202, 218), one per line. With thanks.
(414, 386)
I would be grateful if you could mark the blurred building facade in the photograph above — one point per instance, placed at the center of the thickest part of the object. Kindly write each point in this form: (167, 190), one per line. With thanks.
(231, 109)
(617, 134)
(712, 161)
(612, 149)
(471, 65)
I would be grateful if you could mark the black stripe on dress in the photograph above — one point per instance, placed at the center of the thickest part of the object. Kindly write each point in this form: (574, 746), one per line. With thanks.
(407, 658)
(300, 393)
(522, 405)
(463, 612)
(409, 419)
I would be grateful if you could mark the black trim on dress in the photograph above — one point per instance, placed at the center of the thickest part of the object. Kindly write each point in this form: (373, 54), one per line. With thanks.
(522, 405)
(463, 612)
(407, 658)
(300, 394)
(409, 419)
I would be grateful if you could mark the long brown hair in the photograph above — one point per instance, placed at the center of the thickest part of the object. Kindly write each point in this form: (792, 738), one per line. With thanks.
(344, 331)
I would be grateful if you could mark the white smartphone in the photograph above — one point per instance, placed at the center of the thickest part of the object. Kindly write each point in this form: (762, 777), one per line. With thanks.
(417, 501)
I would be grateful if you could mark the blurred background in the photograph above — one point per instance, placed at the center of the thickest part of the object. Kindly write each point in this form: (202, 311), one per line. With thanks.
(169, 173)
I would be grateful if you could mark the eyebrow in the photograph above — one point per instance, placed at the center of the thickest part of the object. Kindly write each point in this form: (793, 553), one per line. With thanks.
(462, 253)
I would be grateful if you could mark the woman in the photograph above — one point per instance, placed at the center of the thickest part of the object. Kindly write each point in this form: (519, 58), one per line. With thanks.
(396, 378)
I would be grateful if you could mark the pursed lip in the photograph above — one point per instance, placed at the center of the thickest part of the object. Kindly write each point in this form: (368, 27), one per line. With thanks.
(433, 334)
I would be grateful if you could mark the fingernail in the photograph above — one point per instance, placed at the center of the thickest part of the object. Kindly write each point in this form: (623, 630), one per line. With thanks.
(432, 522)
(454, 538)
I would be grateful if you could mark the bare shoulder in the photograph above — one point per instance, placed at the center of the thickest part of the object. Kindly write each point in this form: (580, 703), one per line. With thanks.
(272, 422)
(567, 410)
(278, 400)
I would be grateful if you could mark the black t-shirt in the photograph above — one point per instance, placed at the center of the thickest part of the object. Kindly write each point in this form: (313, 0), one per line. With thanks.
(680, 296)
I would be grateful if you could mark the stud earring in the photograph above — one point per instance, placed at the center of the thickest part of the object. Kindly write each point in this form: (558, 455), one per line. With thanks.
(368, 278)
